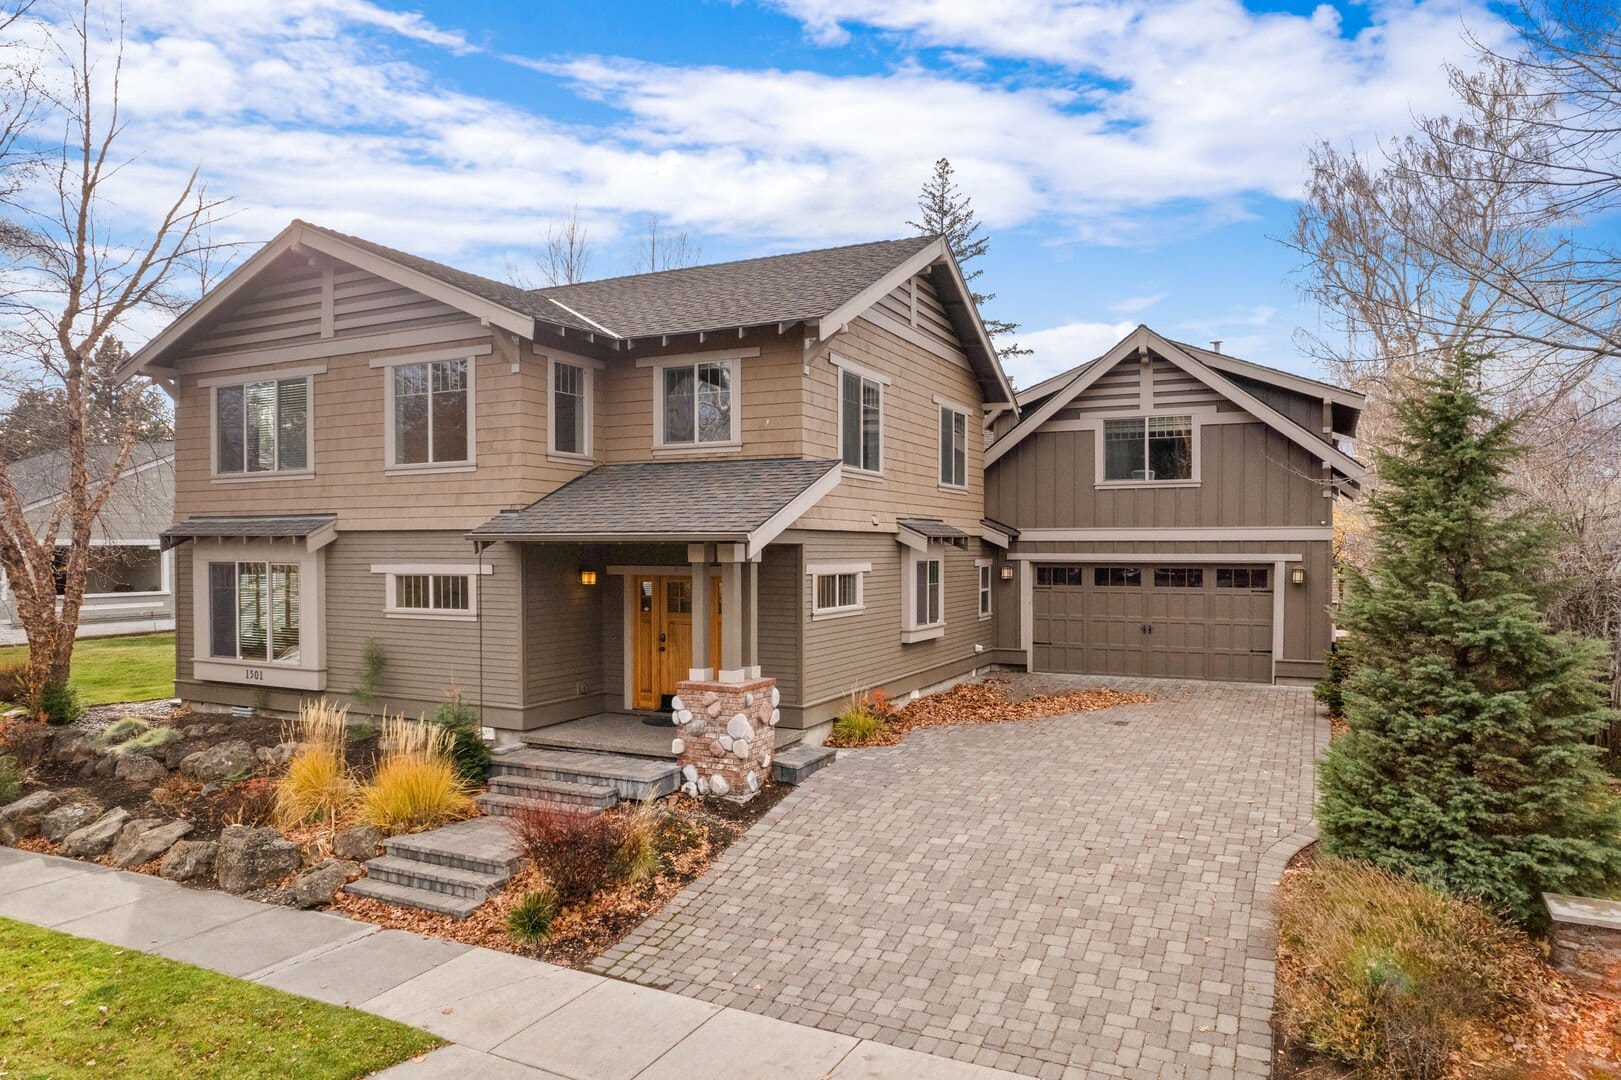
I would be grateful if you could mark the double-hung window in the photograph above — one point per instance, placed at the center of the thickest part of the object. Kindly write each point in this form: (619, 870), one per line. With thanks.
(1148, 449)
(262, 427)
(571, 409)
(923, 596)
(254, 611)
(861, 421)
(982, 568)
(695, 404)
(432, 413)
(926, 599)
(953, 447)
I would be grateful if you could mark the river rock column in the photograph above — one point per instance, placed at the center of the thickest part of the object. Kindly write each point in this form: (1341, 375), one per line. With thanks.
(725, 736)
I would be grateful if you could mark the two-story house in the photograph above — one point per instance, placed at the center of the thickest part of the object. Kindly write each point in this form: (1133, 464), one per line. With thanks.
(564, 501)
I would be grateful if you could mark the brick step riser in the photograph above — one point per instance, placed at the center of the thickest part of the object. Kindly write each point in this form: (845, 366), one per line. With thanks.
(454, 862)
(500, 809)
(505, 786)
(429, 884)
(635, 790)
(454, 906)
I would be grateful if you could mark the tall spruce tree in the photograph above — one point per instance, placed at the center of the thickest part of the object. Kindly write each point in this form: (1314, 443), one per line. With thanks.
(1467, 762)
(947, 212)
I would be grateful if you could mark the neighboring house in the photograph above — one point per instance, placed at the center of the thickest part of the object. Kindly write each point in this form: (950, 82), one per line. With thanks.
(1171, 513)
(564, 501)
(131, 585)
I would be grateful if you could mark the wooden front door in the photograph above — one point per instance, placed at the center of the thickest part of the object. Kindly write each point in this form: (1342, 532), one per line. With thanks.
(661, 636)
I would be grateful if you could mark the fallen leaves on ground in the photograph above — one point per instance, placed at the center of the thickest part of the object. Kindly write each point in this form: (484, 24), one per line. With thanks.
(988, 702)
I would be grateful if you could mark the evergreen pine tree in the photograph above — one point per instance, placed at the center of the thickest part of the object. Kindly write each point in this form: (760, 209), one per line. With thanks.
(948, 213)
(1467, 763)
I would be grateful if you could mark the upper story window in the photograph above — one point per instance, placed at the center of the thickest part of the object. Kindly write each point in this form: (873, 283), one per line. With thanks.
(861, 421)
(431, 417)
(953, 447)
(695, 403)
(571, 409)
(1148, 449)
(262, 427)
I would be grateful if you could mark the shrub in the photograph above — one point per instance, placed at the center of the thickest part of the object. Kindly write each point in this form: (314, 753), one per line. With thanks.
(1330, 690)
(373, 665)
(59, 704)
(1393, 977)
(579, 855)
(26, 740)
(11, 777)
(860, 724)
(14, 681)
(467, 747)
(530, 920)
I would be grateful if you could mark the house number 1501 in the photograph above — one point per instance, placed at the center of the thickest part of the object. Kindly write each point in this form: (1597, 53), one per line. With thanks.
(254, 675)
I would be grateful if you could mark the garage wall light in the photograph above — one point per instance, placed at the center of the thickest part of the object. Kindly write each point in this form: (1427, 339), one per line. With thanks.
(1297, 576)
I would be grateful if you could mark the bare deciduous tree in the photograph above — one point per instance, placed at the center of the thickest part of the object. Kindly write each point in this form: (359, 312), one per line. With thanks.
(69, 278)
(659, 249)
(564, 258)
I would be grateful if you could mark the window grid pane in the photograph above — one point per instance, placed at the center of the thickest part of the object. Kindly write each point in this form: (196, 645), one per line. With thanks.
(260, 415)
(714, 403)
(222, 609)
(228, 415)
(284, 611)
(411, 415)
(1123, 450)
(934, 590)
(292, 424)
(678, 405)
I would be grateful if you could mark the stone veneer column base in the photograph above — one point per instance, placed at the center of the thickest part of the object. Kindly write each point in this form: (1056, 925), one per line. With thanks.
(1584, 941)
(726, 734)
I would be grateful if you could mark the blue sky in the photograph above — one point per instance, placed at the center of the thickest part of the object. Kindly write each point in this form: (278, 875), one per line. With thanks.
(1133, 160)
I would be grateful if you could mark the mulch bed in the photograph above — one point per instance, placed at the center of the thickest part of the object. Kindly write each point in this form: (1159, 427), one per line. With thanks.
(989, 702)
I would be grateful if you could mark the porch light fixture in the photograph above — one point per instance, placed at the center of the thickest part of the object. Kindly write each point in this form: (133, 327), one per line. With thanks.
(1297, 576)
(588, 576)
(1007, 571)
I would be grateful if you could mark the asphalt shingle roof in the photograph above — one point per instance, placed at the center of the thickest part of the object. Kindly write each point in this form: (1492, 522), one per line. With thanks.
(270, 525)
(662, 499)
(932, 528)
(45, 476)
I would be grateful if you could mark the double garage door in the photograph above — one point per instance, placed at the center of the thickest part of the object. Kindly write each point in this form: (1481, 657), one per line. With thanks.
(1172, 621)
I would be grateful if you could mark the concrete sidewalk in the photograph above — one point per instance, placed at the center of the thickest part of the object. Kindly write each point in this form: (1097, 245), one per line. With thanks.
(507, 1017)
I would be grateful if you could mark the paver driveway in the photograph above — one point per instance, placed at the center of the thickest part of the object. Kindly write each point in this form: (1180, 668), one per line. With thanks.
(1075, 896)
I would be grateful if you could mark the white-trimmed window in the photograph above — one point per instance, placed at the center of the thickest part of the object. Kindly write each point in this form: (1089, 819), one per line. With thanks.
(696, 403)
(430, 419)
(430, 590)
(262, 426)
(953, 447)
(837, 588)
(982, 571)
(861, 420)
(571, 409)
(1148, 449)
(257, 608)
(923, 610)
(254, 611)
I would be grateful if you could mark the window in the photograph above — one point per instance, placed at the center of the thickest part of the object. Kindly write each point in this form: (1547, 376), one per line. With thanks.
(262, 427)
(431, 404)
(253, 611)
(837, 592)
(1129, 577)
(1241, 577)
(953, 447)
(1060, 576)
(433, 592)
(1148, 448)
(696, 403)
(926, 595)
(861, 421)
(1178, 577)
(571, 409)
(983, 568)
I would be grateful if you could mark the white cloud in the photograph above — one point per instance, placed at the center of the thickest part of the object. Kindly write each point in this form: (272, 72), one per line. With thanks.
(1131, 305)
(1060, 348)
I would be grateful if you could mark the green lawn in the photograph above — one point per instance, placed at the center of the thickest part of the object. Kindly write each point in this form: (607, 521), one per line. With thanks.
(108, 670)
(77, 1008)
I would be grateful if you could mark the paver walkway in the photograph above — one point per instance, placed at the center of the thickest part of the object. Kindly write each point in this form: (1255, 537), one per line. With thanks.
(1078, 896)
(507, 1017)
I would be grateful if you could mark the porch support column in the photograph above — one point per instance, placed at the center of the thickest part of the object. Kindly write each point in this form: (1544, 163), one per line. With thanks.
(751, 618)
(733, 667)
(700, 556)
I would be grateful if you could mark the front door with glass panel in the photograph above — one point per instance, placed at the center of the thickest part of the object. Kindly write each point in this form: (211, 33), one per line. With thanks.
(661, 636)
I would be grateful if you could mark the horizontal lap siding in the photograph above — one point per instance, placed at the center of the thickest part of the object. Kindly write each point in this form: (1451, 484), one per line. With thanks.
(781, 637)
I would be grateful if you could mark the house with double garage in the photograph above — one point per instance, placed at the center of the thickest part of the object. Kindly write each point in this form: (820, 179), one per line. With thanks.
(563, 502)
(1169, 511)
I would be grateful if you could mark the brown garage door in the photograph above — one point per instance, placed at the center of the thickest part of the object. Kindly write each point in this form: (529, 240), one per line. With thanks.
(1180, 622)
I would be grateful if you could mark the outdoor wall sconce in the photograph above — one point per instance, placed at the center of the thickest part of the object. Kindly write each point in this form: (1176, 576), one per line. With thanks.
(1007, 571)
(1297, 576)
(588, 576)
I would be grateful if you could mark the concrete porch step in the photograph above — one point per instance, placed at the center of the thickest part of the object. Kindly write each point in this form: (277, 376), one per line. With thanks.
(636, 778)
(496, 805)
(405, 896)
(795, 764)
(448, 880)
(599, 796)
(482, 845)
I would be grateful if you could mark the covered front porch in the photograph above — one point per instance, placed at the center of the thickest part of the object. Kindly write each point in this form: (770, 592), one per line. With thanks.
(637, 734)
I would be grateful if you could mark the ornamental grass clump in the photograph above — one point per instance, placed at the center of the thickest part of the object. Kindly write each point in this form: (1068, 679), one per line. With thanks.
(317, 787)
(530, 920)
(416, 785)
(864, 721)
(1398, 979)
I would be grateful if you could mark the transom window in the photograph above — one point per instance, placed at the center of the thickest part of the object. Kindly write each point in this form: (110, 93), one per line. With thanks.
(1117, 576)
(696, 403)
(262, 427)
(837, 592)
(861, 421)
(953, 447)
(431, 404)
(1148, 448)
(254, 611)
(1060, 576)
(433, 592)
(1178, 577)
(1241, 577)
(570, 408)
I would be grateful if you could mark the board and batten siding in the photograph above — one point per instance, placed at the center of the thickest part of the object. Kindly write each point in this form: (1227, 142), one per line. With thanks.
(562, 626)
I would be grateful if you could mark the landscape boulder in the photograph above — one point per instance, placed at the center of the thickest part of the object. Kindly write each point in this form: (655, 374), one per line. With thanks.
(219, 762)
(139, 769)
(189, 861)
(144, 840)
(65, 819)
(97, 837)
(20, 818)
(253, 858)
(316, 886)
(359, 843)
